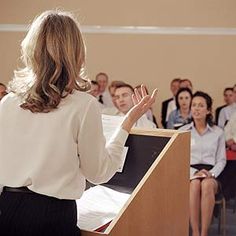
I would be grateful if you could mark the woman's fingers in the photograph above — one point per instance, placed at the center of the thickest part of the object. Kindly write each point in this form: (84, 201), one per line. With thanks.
(143, 90)
(135, 100)
(142, 102)
(154, 93)
(137, 95)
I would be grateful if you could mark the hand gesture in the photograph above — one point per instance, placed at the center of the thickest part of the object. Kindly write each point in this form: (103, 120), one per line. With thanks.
(142, 102)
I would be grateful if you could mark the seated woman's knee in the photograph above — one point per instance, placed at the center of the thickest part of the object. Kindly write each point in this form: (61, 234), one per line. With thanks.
(195, 184)
(208, 186)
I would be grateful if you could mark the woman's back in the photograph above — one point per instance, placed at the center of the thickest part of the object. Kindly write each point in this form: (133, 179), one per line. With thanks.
(42, 148)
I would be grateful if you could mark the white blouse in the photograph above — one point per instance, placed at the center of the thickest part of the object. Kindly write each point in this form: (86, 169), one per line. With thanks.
(207, 148)
(53, 153)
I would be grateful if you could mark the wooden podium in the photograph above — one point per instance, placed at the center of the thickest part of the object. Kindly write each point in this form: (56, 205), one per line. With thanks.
(159, 203)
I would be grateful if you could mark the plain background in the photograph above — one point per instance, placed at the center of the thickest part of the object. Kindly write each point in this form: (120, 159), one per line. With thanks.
(209, 61)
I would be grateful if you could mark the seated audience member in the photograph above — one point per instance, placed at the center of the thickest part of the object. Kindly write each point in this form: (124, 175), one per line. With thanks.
(230, 132)
(124, 102)
(186, 83)
(94, 90)
(3, 90)
(208, 159)
(228, 99)
(169, 105)
(182, 114)
(227, 111)
(149, 113)
(112, 87)
(104, 96)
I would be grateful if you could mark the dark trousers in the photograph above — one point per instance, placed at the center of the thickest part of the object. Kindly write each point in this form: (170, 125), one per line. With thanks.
(32, 214)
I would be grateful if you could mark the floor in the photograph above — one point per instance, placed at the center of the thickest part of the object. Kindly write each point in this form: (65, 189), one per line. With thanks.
(230, 222)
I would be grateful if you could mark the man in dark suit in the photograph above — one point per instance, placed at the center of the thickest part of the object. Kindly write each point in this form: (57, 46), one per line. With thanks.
(228, 99)
(174, 87)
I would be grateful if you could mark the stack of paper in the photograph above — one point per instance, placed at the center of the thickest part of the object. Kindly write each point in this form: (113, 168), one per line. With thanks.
(98, 206)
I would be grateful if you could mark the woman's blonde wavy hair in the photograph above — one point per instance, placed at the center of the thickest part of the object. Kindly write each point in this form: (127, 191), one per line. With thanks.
(53, 52)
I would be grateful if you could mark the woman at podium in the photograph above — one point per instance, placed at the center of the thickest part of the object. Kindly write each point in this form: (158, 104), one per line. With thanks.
(51, 136)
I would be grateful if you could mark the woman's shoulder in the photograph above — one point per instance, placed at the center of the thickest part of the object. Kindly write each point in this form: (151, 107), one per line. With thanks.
(217, 129)
(80, 96)
(82, 100)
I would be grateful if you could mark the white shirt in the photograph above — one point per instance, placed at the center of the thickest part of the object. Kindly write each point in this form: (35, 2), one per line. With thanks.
(230, 128)
(142, 122)
(171, 107)
(208, 148)
(52, 153)
(225, 114)
(106, 98)
(111, 111)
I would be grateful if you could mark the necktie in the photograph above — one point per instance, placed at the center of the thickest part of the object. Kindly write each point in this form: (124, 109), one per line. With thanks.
(100, 99)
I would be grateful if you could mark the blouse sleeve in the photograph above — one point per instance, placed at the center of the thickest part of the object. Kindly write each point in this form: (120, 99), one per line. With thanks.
(220, 156)
(98, 161)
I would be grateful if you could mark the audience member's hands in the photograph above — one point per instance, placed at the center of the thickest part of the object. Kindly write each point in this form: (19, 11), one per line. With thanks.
(142, 102)
(200, 174)
(203, 174)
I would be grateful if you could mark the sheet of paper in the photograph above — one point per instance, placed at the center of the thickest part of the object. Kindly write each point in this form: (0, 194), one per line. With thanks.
(98, 206)
(110, 124)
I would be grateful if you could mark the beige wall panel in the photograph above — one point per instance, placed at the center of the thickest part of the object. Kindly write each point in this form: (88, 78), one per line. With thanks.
(209, 61)
(9, 54)
(208, 13)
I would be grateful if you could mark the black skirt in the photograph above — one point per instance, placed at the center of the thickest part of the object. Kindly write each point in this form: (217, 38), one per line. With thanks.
(31, 214)
(202, 166)
(208, 167)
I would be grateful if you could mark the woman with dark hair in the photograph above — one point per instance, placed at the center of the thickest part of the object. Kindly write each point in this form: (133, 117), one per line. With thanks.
(48, 124)
(207, 162)
(181, 115)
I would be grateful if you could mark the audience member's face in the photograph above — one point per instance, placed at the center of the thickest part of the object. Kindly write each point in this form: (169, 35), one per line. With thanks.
(123, 97)
(184, 100)
(199, 108)
(94, 91)
(174, 87)
(229, 97)
(102, 82)
(185, 84)
(2, 91)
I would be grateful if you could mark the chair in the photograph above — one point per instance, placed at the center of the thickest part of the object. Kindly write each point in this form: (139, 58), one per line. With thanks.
(220, 203)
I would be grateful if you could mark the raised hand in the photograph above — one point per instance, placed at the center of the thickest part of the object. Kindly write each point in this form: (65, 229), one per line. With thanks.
(142, 102)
